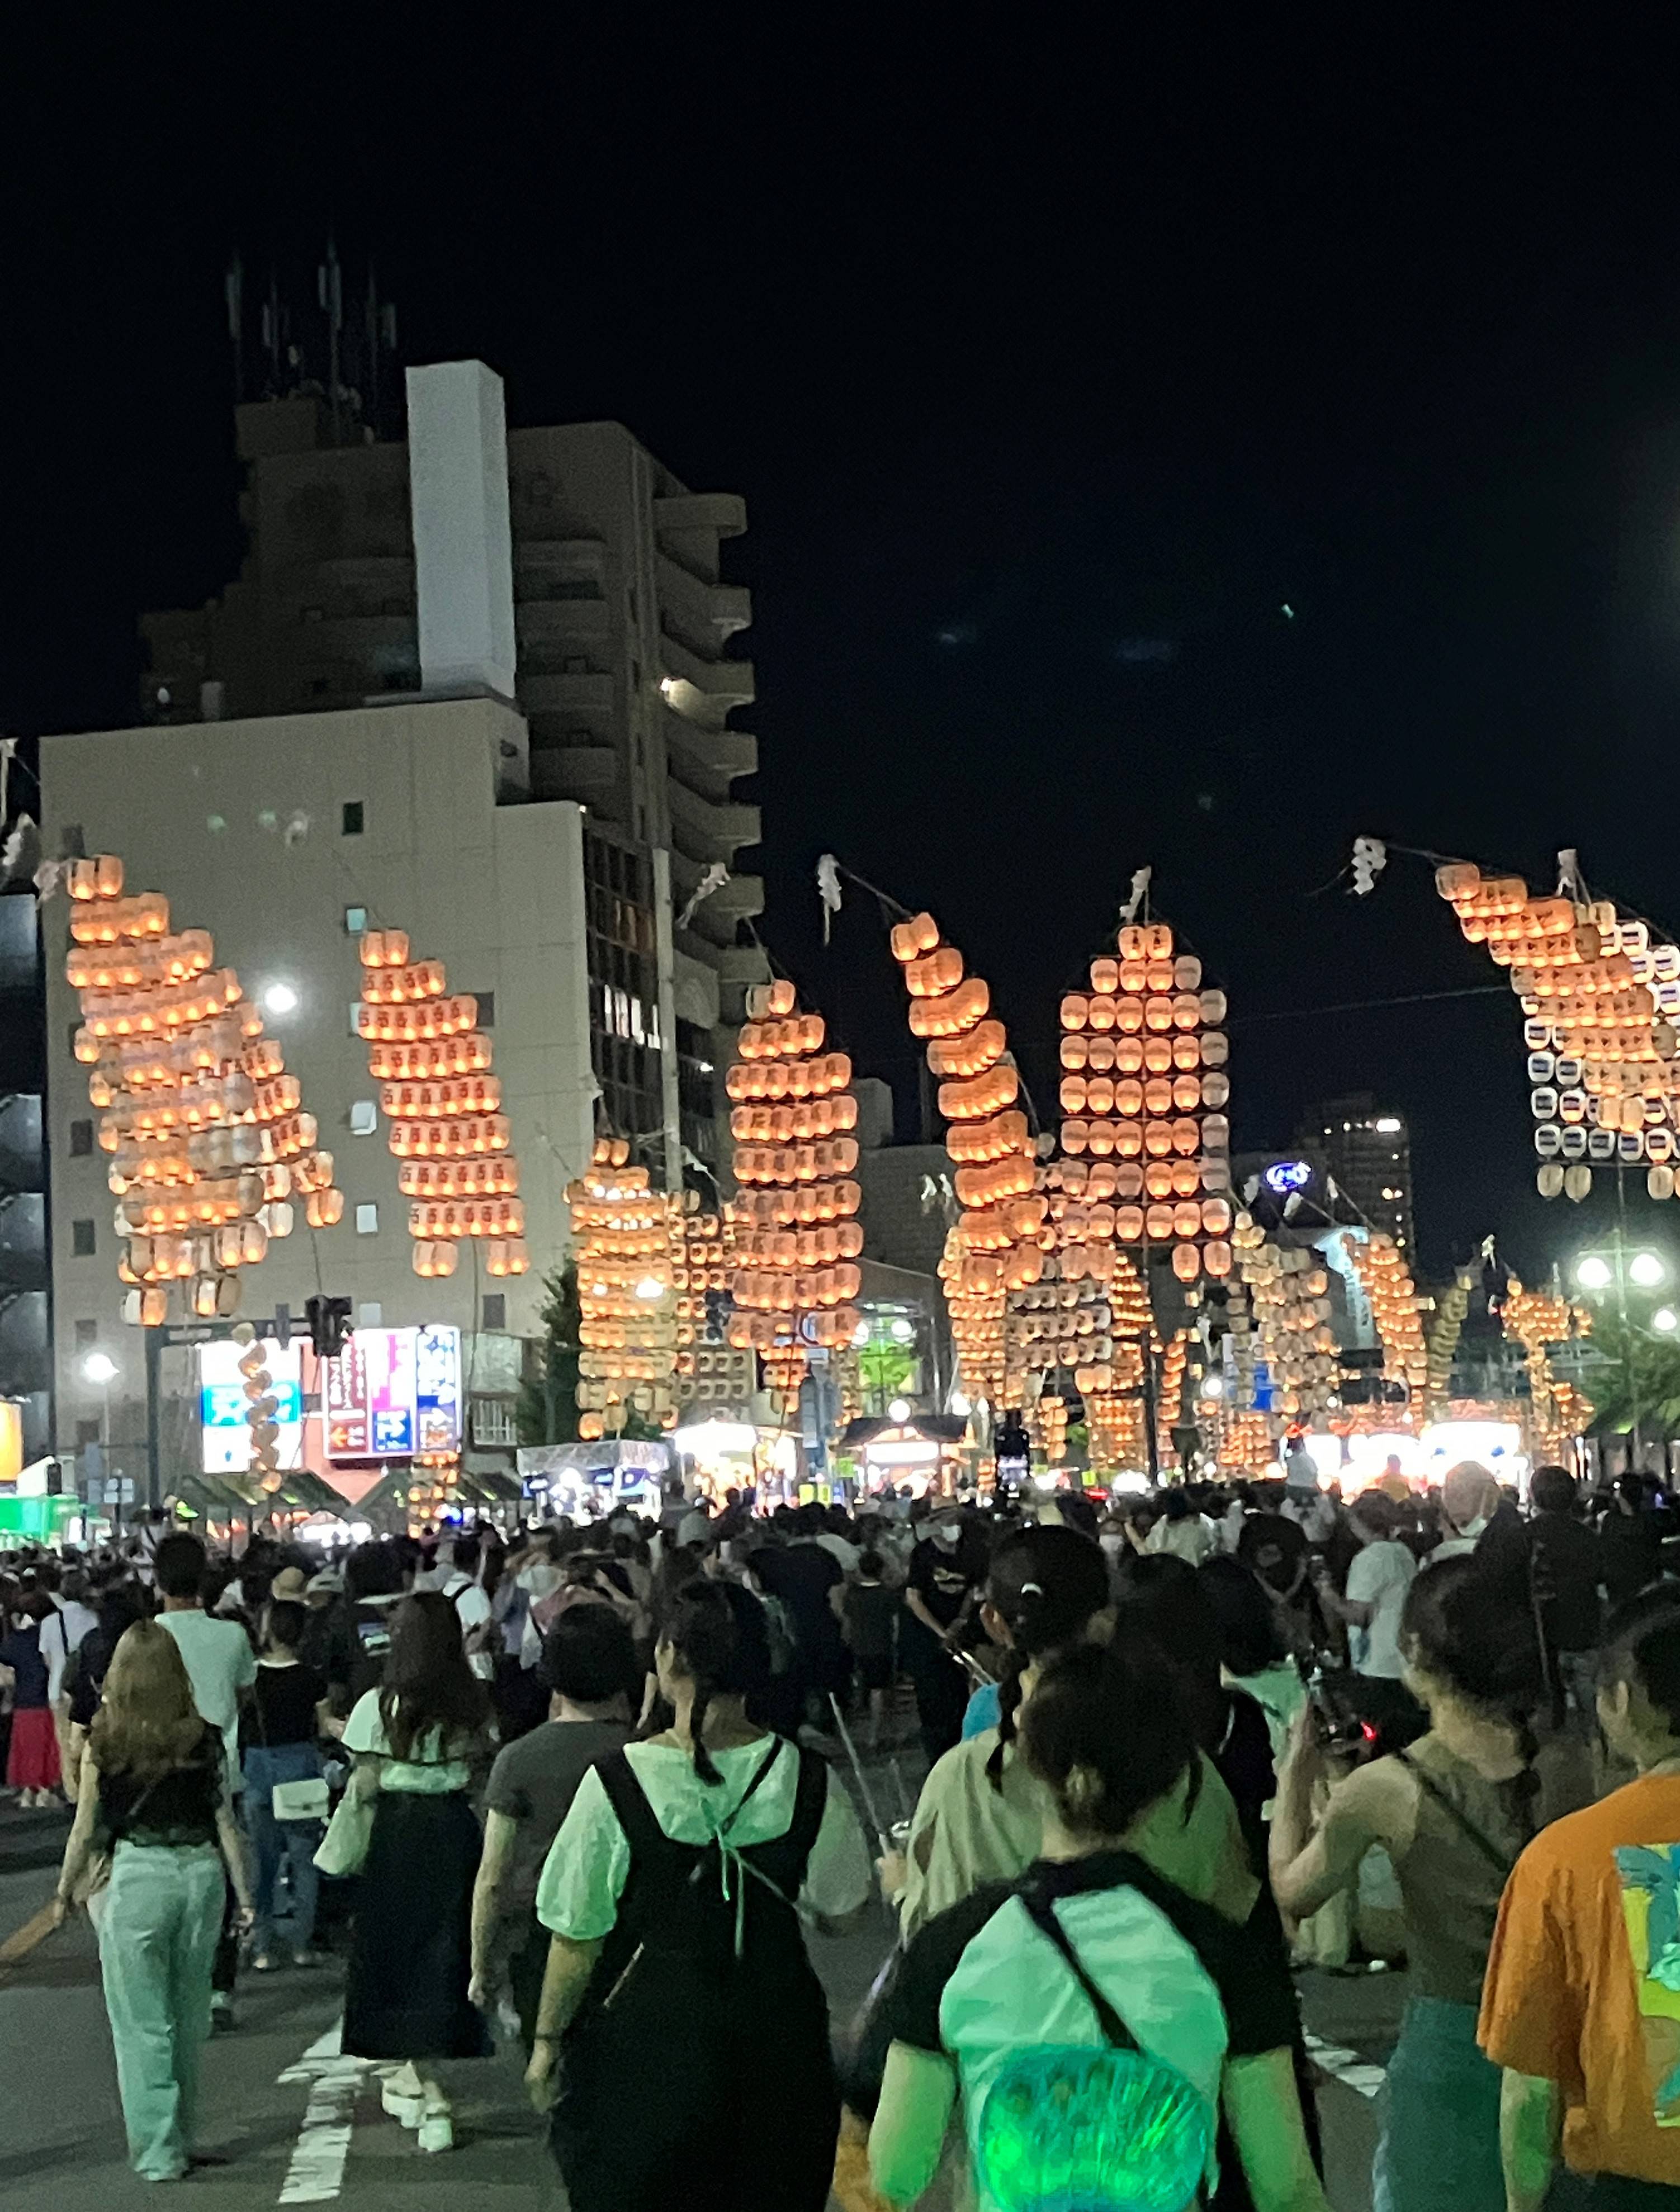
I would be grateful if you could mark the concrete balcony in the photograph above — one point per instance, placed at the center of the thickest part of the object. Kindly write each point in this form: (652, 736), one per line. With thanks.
(587, 695)
(707, 830)
(708, 760)
(588, 773)
(559, 568)
(701, 615)
(701, 689)
(721, 511)
(547, 628)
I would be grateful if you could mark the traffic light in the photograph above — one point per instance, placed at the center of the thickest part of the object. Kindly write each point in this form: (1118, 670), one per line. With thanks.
(282, 1324)
(329, 1325)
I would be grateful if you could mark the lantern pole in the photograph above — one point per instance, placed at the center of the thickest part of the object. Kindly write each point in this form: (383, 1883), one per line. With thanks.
(153, 1419)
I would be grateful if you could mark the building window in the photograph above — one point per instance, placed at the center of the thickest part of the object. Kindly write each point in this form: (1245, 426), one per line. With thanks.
(496, 1310)
(81, 1239)
(355, 919)
(82, 1139)
(72, 842)
(86, 1432)
(364, 1118)
(87, 1335)
(367, 1221)
(370, 1315)
(493, 1422)
(486, 1010)
(351, 818)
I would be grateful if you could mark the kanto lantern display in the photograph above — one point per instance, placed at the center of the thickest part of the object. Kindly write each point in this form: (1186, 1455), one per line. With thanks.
(627, 1333)
(1536, 1319)
(1286, 1323)
(796, 1237)
(997, 1244)
(443, 1107)
(1600, 997)
(206, 1131)
(261, 1409)
(1143, 1097)
(1386, 1280)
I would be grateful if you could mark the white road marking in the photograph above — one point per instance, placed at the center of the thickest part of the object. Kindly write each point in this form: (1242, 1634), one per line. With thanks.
(316, 2173)
(1344, 2066)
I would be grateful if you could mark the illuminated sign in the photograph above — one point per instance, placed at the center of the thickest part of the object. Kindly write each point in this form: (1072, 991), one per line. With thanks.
(1285, 1176)
(222, 1405)
(394, 1392)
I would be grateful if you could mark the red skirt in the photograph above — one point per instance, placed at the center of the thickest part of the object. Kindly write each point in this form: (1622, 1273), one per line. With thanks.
(33, 1762)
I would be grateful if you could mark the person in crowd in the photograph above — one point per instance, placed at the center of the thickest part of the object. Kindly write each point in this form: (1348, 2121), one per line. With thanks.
(1566, 1564)
(1453, 1810)
(279, 1736)
(869, 1609)
(1182, 1532)
(1274, 1547)
(837, 1535)
(670, 1893)
(1088, 1948)
(1378, 1577)
(1469, 1499)
(1169, 1601)
(32, 1765)
(946, 1571)
(121, 1603)
(462, 1585)
(62, 1632)
(1578, 2007)
(222, 1668)
(417, 1740)
(980, 1816)
(1254, 1656)
(589, 1667)
(804, 1575)
(154, 1800)
(350, 1640)
(1630, 1541)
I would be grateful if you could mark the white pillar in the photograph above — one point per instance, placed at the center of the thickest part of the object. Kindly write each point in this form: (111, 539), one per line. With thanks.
(463, 540)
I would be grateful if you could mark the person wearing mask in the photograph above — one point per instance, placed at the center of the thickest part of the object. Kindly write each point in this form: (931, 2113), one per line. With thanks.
(1453, 1811)
(1182, 1532)
(1578, 2006)
(980, 1816)
(153, 1799)
(673, 1893)
(1378, 1577)
(945, 1574)
(869, 1609)
(417, 1741)
(278, 1735)
(1006, 1996)
(33, 1766)
(589, 1667)
(1566, 1565)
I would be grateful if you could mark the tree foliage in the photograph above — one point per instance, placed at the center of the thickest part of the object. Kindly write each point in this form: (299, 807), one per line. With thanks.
(1640, 1378)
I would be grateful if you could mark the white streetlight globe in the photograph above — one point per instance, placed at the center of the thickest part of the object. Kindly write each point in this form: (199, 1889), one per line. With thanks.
(861, 1334)
(900, 1410)
(1666, 1319)
(959, 1404)
(279, 999)
(99, 1368)
(1647, 1270)
(1592, 1274)
(1212, 1386)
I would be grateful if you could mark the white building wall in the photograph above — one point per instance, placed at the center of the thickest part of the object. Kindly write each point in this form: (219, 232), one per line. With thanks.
(241, 826)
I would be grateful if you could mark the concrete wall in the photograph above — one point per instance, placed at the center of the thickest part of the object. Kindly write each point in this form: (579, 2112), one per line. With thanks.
(201, 812)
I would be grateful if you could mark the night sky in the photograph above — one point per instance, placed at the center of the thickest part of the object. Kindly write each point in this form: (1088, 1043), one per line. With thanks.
(1056, 371)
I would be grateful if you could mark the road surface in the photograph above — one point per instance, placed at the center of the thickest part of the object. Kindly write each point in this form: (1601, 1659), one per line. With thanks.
(299, 2125)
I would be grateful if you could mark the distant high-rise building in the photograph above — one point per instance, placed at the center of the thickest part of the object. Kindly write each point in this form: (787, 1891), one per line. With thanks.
(621, 620)
(1366, 1148)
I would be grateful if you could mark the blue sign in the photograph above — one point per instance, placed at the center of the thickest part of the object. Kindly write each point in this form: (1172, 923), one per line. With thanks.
(1285, 1176)
(224, 1405)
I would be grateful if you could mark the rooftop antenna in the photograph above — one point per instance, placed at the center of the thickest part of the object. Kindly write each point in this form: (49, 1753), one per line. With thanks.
(330, 290)
(233, 286)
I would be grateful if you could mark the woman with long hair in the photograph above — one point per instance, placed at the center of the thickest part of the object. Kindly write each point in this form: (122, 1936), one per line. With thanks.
(154, 1798)
(1094, 2017)
(1453, 1810)
(673, 1894)
(418, 1741)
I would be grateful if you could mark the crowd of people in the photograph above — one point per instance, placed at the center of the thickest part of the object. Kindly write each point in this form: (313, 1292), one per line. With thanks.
(589, 1790)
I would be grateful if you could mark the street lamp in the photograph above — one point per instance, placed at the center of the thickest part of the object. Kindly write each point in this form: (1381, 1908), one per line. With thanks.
(280, 998)
(1594, 1274)
(100, 1369)
(1647, 1270)
(1614, 1267)
(1665, 1321)
(900, 1411)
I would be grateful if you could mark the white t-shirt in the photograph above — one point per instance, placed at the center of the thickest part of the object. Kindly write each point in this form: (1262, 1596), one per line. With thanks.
(1379, 1577)
(429, 1774)
(694, 1527)
(472, 1610)
(589, 1862)
(1193, 1539)
(62, 1633)
(847, 1554)
(222, 1663)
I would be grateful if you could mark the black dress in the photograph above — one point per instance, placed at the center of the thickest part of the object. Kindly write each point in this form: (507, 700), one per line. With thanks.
(411, 1952)
(697, 2074)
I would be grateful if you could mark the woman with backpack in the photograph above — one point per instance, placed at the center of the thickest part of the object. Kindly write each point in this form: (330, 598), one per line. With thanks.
(674, 1893)
(1095, 2017)
(1454, 1811)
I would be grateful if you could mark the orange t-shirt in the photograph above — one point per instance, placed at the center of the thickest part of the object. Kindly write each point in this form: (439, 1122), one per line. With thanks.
(1583, 1985)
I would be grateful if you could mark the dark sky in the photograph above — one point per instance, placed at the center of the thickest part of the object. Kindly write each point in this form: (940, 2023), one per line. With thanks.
(1053, 368)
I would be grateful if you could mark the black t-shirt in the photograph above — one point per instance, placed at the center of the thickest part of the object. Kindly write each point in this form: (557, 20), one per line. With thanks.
(1246, 1965)
(942, 1579)
(283, 1707)
(801, 1576)
(1568, 1568)
(178, 1807)
(1630, 1552)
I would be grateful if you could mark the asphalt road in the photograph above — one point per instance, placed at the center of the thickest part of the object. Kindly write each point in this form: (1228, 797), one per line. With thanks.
(299, 2126)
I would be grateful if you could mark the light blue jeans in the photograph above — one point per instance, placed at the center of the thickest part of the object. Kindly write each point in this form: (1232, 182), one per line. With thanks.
(295, 1842)
(157, 1943)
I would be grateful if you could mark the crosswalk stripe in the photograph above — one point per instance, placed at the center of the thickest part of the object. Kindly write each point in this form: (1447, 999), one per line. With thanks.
(1346, 2067)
